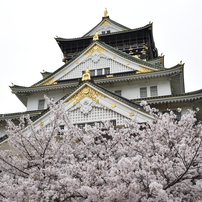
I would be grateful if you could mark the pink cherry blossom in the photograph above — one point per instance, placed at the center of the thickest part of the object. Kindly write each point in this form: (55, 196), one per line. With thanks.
(156, 161)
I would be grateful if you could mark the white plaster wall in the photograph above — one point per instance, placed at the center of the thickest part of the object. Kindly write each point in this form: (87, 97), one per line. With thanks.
(131, 90)
(185, 109)
(32, 103)
(116, 66)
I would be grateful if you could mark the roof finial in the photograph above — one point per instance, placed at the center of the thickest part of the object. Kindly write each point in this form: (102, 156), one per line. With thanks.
(106, 13)
(96, 37)
(181, 63)
(86, 75)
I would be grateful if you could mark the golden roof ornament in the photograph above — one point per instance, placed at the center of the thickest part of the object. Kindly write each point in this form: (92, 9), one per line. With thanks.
(106, 13)
(86, 75)
(181, 63)
(96, 37)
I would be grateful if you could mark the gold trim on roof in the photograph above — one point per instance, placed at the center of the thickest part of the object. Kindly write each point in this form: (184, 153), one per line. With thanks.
(137, 56)
(105, 23)
(96, 48)
(109, 76)
(50, 82)
(86, 91)
(143, 70)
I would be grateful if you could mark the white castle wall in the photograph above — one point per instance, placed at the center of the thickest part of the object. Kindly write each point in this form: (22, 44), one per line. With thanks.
(130, 90)
(32, 103)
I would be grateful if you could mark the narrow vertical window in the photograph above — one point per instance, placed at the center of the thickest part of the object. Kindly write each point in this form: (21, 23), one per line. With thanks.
(60, 132)
(113, 122)
(107, 70)
(99, 72)
(92, 72)
(143, 92)
(153, 91)
(41, 104)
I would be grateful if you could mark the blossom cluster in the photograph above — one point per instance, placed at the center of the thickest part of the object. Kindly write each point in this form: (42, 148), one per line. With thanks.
(156, 161)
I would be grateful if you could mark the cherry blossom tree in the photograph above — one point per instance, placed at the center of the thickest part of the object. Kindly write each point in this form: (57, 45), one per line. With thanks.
(155, 161)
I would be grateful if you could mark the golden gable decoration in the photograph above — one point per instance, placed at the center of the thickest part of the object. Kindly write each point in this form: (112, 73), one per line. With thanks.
(86, 91)
(96, 48)
(143, 70)
(105, 23)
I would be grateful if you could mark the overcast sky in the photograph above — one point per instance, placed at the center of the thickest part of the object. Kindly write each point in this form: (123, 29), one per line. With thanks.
(28, 28)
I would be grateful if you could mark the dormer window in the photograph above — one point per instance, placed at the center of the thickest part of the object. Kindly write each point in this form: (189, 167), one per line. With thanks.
(108, 31)
(103, 32)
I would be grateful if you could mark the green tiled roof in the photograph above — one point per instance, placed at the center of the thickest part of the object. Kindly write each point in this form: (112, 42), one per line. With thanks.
(128, 56)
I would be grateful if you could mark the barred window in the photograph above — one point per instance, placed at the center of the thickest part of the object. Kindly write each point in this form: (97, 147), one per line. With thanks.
(113, 122)
(99, 72)
(81, 125)
(41, 104)
(91, 124)
(143, 92)
(92, 72)
(62, 127)
(107, 70)
(153, 91)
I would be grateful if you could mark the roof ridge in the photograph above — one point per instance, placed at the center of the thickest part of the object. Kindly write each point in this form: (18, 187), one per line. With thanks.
(87, 36)
(103, 19)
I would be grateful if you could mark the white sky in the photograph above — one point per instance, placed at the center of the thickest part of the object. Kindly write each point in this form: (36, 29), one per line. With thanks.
(28, 28)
